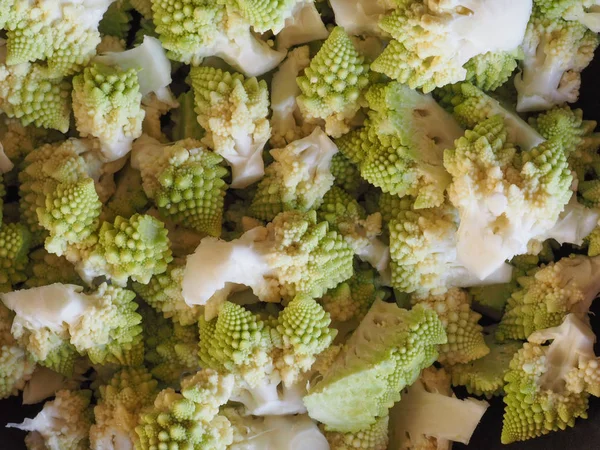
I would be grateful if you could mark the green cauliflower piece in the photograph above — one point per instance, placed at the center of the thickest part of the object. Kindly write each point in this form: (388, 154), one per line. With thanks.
(400, 149)
(374, 437)
(190, 419)
(129, 197)
(171, 348)
(119, 404)
(50, 107)
(107, 105)
(550, 293)
(46, 268)
(15, 242)
(64, 423)
(185, 122)
(135, 248)
(491, 70)
(583, 11)
(191, 30)
(522, 196)
(465, 340)
(19, 140)
(298, 178)
(346, 174)
(385, 354)
(333, 83)
(546, 387)
(441, 35)
(485, 376)
(185, 182)
(163, 293)
(117, 19)
(264, 15)
(233, 110)
(556, 51)
(53, 33)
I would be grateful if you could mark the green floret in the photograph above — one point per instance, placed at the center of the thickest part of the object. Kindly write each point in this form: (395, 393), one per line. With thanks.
(117, 19)
(265, 15)
(233, 110)
(190, 419)
(346, 174)
(63, 33)
(549, 294)
(391, 205)
(185, 181)
(129, 197)
(333, 83)
(298, 178)
(461, 323)
(135, 248)
(171, 348)
(191, 30)
(19, 140)
(107, 105)
(49, 107)
(544, 389)
(352, 299)
(185, 122)
(485, 376)
(15, 241)
(505, 198)
(374, 437)
(583, 11)
(63, 423)
(120, 401)
(46, 268)
(144, 7)
(163, 293)
(110, 331)
(556, 51)
(385, 354)
(491, 70)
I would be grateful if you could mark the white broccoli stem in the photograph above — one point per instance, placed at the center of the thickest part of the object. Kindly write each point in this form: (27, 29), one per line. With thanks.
(519, 131)
(271, 398)
(304, 26)
(572, 342)
(5, 164)
(245, 160)
(359, 17)
(436, 415)
(375, 253)
(151, 62)
(459, 276)
(583, 274)
(295, 433)
(116, 148)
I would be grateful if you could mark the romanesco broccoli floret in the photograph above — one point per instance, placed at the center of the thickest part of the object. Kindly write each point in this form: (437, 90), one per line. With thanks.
(107, 105)
(233, 110)
(144, 7)
(185, 181)
(63, 423)
(185, 122)
(15, 242)
(191, 30)
(120, 402)
(346, 174)
(544, 389)
(333, 83)
(556, 51)
(491, 70)
(298, 178)
(189, 419)
(549, 294)
(461, 323)
(46, 268)
(374, 437)
(583, 11)
(116, 21)
(429, 417)
(171, 348)
(19, 140)
(263, 16)
(485, 376)
(62, 34)
(135, 248)
(163, 293)
(521, 198)
(129, 197)
(441, 34)
(385, 354)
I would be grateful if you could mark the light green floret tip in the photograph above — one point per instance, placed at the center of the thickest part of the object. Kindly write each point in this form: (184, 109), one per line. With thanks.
(135, 248)
(111, 331)
(71, 215)
(385, 354)
(374, 437)
(107, 105)
(163, 293)
(333, 83)
(485, 376)
(46, 268)
(189, 420)
(310, 258)
(491, 70)
(30, 95)
(15, 241)
(461, 323)
(171, 348)
(353, 298)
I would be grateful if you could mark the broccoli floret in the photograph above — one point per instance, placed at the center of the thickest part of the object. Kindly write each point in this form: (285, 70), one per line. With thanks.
(15, 242)
(374, 437)
(117, 19)
(46, 268)
(185, 122)
(491, 70)
(233, 110)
